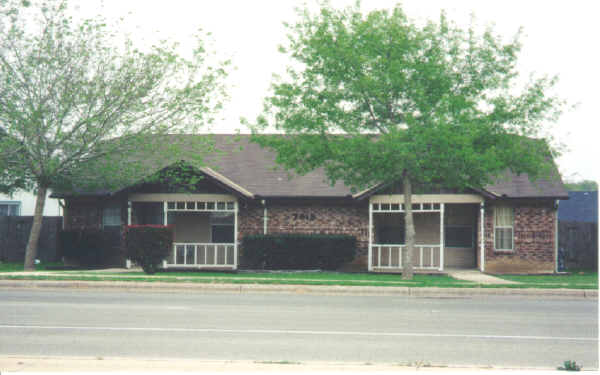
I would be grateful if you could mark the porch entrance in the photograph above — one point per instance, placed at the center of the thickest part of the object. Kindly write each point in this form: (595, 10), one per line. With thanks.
(446, 232)
(205, 227)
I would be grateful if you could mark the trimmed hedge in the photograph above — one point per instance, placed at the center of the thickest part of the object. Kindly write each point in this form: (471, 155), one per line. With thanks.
(88, 247)
(149, 245)
(298, 251)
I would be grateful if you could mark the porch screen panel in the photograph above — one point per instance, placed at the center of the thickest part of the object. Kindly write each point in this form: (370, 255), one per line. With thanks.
(222, 227)
(148, 213)
(230, 254)
(180, 254)
(190, 254)
(458, 236)
(389, 228)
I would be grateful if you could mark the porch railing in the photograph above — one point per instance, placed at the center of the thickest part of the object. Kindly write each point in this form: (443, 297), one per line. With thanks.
(389, 257)
(202, 255)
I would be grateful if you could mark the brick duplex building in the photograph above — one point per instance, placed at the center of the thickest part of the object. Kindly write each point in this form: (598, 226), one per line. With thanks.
(508, 227)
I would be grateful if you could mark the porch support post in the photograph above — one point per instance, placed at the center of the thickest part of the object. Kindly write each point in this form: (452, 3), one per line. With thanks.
(128, 212)
(128, 261)
(556, 236)
(482, 239)
(165, 221)
(441, 236)
(235, 235)
(370, 254)
(265, 218)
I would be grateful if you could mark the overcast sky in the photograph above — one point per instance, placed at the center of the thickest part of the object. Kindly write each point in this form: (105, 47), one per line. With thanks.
(560, 37)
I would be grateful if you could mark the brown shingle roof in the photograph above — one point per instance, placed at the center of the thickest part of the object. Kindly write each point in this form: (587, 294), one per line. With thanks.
(254, 169)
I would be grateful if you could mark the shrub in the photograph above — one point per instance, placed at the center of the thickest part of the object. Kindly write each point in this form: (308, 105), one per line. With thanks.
(149, 245)
(298, 251)
(86, 247)
(570, 366)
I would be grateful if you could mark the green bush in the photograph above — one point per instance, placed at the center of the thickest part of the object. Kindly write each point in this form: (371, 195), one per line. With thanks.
(86, 247)
(298, 251)
(149, 245)
(569, 366)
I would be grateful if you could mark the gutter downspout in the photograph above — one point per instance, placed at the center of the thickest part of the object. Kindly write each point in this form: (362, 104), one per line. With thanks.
(482, 240)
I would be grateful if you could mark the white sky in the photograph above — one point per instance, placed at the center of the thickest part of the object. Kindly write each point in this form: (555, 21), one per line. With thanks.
(560, 37)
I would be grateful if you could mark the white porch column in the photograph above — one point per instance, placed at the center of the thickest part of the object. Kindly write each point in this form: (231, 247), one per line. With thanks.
(556, 236)
(235, 235)
(441, 236)
(265, 218)
(165, 214)
(128, 261)
(165, 222)
(482, 240)
(128, 212)
(370, 253)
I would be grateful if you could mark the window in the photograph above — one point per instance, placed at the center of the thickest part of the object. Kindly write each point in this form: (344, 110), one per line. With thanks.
(458, 236)
(12, 208)
(503, 228)
(111, 217)
(222, 227)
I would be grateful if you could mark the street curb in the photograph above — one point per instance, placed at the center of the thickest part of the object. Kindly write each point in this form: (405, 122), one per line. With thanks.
(301, 289)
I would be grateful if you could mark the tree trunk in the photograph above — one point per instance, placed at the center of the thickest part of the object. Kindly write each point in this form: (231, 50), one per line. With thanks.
(409, 227)
(36, 229)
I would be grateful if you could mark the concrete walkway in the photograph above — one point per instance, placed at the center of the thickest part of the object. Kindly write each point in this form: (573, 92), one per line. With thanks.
(13, 363)
(478, 277)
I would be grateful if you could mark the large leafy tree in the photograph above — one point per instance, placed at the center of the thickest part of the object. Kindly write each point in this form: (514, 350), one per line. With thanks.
(71, 95)
(378, 99)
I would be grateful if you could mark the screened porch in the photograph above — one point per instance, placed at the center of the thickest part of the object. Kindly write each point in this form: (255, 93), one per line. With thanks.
(205, 227)
(446, 232)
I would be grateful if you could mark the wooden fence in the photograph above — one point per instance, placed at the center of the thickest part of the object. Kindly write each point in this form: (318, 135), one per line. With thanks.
(14, 234)
(578, 242)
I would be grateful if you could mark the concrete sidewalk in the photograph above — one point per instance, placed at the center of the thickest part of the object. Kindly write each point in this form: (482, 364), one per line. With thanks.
(478, 277)
(186, 287)
(54, 364)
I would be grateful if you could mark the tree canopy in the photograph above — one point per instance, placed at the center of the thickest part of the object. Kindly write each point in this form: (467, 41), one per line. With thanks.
(582, 185)
(71, 94)
(377, 98)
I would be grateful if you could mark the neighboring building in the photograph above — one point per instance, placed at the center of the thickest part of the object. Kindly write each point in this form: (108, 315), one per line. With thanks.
(509, 227)
(23, 204)
(578, 230)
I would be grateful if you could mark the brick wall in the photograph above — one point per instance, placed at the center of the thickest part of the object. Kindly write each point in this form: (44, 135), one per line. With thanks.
(316, 217)
(534, 228)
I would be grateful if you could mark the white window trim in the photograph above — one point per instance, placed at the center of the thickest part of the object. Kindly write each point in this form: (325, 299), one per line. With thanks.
(511, 227)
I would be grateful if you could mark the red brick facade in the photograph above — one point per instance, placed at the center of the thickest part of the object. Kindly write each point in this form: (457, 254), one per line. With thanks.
(314, 217)
(534, 239)
(534, 227)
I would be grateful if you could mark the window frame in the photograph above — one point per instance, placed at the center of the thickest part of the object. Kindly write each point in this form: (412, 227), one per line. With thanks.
(104, 211)
(18, 204)
(511, 227)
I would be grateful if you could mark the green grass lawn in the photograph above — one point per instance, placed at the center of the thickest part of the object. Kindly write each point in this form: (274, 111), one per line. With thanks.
(575, 280)
(16, 267)
(587, 280)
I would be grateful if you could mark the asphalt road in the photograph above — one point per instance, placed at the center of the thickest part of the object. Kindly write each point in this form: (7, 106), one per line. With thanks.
(483, 331)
